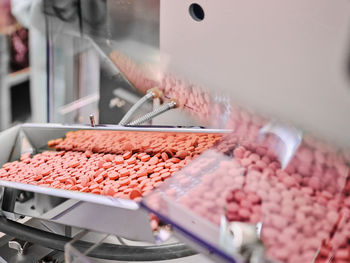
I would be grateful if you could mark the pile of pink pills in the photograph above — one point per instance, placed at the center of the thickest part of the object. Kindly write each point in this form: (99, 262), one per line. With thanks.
(140, 162)
(304, 209)
(118, 142)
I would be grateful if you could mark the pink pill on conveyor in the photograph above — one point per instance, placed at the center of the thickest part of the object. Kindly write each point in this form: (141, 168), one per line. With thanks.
(182, 154)
(164, 156)
(145, 158)
(343, 254)
(232, 207)
(150, 169)
(113, 175)
(254, 157)
(98, 179)
(135, 193)
(84, 180)
(108, 190)
(154, 175)
(156, 179)
(239, 152)
(124, 172)
(118, 160)
(25, 156)
(107, 165)
(165, 175)
(108, 158)
(46, 171)
(175, 160)
(239, 196)
(127, 155)
(279, 222)
(332, 216)
(246, 204)
(246, 162)
(244, 213)
(254, 198)
(131, 160)
(153, 161)
(37, 177)
(74, 164)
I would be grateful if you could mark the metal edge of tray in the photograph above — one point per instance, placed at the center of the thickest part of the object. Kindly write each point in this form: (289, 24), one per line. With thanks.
(87, 197)
(178, 129)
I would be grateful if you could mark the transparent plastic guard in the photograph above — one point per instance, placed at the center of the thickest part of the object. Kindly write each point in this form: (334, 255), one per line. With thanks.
(237, 200)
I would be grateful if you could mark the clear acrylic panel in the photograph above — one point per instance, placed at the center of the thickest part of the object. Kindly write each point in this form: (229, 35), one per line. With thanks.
(236, 200)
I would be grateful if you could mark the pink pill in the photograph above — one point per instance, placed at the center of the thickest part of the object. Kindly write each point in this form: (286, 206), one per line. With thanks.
(244, 213)
(270, 233)
(246, 161)
(232, 208)
(239, 152)
(290, 168)
(281, 253)
(289, 181)
(332, 216)
(287, 211)
(239, 196)
(279, 222)
(347, 201)
(266, 159)
(274, 197)
(295, 258)
(254, 157)
(256, 209)
(246, 204)
(261, 164)
(261, 150)
(307, 190)
(326, 194)
(300, 217)
(305, 154)
(230, 197)
(304, 169)
(271, 207)
(255, 218)
(254, 198)
(232, 216)
(290, 231)
(246, 154)
(300, 201)
(268, 171)
(342, 254)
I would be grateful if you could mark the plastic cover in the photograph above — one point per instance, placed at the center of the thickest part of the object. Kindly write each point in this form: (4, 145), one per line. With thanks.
(237, 201)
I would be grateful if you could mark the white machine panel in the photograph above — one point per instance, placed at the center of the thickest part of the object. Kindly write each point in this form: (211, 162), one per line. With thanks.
(287, 59)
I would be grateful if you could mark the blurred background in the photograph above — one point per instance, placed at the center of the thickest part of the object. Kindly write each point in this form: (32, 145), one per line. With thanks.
(15, 91)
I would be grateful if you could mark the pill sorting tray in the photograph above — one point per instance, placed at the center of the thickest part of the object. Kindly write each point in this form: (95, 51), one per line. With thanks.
(234, 198)
(100, 213)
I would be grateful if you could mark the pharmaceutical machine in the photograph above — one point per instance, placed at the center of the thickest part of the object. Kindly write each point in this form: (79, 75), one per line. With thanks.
(184, 131)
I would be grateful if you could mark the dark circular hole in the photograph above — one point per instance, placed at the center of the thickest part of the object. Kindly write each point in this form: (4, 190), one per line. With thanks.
(196, 12)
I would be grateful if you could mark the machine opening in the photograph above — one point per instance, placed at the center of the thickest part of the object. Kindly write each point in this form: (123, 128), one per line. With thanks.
(196, 12)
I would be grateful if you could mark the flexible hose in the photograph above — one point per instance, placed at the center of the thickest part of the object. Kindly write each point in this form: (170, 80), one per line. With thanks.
(104, 251)
(135, 107)
(155, 113)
